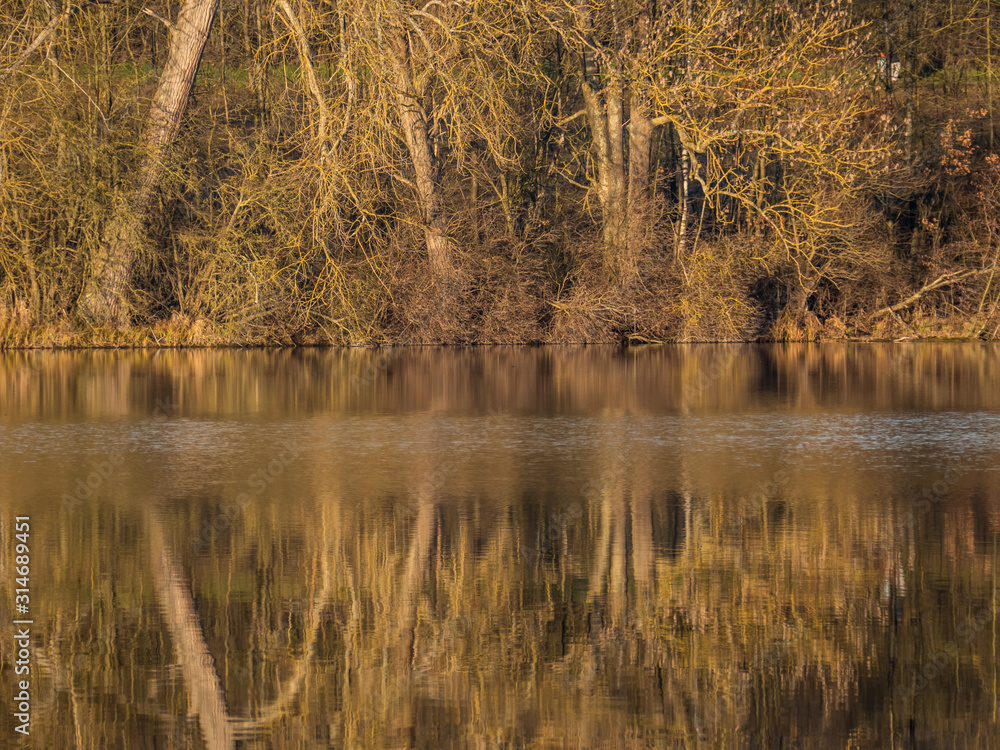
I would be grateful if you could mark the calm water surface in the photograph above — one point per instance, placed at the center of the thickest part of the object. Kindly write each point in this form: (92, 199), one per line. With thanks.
(702, 546)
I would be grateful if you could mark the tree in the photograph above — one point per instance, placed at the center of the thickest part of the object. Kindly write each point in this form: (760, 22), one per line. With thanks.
(103, 298)
(611, 45)
(428, 87)
(777, 127)
(752, 93)
(409, 87)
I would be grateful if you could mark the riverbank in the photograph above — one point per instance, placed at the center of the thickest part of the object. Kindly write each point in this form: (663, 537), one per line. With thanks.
(569, 327)
(298, 197)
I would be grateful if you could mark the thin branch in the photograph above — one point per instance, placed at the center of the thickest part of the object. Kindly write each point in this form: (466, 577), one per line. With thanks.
(82, 90)
(566, 121)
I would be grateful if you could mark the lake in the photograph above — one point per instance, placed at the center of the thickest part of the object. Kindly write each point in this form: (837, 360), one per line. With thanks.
(746, 546)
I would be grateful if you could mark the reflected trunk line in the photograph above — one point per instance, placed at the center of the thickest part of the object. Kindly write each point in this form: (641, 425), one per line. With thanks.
(74, 699)
(196, 662)
(50, 658)
(642, 539)
(617, 585)
(610, 567)
(602, 551)
(678, 705)
(691, 561)
(287, 694)
(416, 566)
(353, 630)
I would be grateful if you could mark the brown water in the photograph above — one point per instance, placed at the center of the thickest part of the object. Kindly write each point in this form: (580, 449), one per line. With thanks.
(702, 546)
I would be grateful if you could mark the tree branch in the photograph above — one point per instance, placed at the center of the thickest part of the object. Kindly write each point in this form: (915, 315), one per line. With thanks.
(943, 280)
(39, 41)
(167, 22)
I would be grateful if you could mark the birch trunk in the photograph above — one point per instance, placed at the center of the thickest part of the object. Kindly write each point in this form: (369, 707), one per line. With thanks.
(103, 298)
(682, 225)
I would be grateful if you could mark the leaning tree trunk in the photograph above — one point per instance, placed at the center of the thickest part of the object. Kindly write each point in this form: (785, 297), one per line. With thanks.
(425, 166)
(103, 298)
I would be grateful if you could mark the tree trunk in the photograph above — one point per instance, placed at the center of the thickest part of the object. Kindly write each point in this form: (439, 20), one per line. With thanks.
(605, 127)
(616, 109)
(682, 225)
(103, 298)
(309, 76)
(622, 181)
(415, 130)
(640, 131)
(616, 207)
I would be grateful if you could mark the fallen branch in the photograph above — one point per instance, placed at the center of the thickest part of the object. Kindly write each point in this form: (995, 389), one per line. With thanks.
(943, 280)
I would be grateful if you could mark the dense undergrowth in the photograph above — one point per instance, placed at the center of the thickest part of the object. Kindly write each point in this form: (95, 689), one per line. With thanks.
(269, 229)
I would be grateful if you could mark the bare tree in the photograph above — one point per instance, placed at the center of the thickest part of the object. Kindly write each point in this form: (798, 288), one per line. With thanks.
(612, 44)
(416, 125)
(422, 95)
(103, 298)
(732, 102)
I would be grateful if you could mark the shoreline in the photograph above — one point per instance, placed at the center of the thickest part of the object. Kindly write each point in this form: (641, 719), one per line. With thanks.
(625, 344)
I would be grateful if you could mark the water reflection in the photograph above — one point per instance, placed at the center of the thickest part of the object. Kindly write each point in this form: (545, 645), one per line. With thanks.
(732, 546)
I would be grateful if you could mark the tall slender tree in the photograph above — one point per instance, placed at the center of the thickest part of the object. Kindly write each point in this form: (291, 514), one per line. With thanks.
(103, 300)
(429, 86)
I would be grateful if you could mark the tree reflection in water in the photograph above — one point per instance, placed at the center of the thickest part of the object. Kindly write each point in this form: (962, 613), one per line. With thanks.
(578, 547)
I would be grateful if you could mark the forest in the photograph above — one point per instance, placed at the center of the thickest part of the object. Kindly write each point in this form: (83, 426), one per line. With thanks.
(496, 171)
